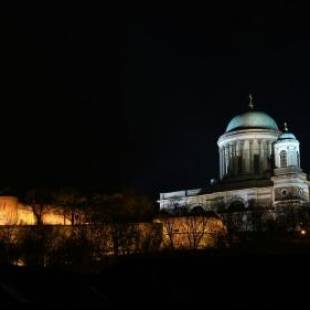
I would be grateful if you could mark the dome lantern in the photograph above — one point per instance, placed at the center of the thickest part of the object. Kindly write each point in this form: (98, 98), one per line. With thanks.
(286, 134)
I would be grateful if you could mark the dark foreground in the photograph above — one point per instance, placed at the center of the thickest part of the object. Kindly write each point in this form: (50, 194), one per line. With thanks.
(241, 278)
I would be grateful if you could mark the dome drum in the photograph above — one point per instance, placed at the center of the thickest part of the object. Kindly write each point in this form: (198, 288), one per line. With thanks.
(246, 148)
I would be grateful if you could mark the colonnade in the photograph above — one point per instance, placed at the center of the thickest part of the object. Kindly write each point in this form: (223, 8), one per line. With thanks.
(246, 156)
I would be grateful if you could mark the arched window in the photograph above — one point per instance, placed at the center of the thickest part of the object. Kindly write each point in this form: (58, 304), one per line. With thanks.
(236, 206)
(283, 159)
(198, 210)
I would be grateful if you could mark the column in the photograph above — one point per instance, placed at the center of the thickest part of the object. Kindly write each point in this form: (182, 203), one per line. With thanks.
(221, 162)
(229, 160)
(234, 158)
(251, 169)
(238, 162)
(246, 156)
(265, 154)
(225, 160)
(270, 148)
(261, 155)
(241, 153)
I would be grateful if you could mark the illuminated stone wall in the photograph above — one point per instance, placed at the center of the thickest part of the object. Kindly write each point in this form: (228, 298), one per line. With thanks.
(12, 212)
(191, 232)
(8, 210)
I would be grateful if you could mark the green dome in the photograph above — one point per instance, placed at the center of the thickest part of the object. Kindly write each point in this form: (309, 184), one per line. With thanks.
(287, 135)
(252, 119)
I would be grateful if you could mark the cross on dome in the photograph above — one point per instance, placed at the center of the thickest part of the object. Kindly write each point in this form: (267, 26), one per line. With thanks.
(251, 104)
(285, 126)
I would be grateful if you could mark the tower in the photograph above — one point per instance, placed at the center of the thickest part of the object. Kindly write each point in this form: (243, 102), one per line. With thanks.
(291, 186)
(286, 151)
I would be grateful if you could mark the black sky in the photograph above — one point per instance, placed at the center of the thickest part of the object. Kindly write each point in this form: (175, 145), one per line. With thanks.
(60, 96)
(137, 96)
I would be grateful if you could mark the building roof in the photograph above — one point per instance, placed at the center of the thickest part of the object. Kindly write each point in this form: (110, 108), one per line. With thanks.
(252, 119)
(287, 135)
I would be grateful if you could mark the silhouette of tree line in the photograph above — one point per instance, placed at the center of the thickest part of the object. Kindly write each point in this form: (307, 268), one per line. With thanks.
(90, 208)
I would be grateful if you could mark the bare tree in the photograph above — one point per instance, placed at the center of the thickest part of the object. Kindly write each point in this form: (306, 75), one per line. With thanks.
(197, 228)
(40, 200)
(169, 229)
(73, 204)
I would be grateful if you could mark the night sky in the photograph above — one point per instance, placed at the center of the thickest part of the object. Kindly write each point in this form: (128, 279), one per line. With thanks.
(60, 99)
(137, 97)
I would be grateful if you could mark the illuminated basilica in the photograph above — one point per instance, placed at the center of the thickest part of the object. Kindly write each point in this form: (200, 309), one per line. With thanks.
(259, 167)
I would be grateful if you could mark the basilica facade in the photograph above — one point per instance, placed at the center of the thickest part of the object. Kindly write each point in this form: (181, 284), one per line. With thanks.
(259, 168)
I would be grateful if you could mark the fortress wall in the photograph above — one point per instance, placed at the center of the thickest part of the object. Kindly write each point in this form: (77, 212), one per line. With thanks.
(191, 232)
(8, 210)
(12, 212)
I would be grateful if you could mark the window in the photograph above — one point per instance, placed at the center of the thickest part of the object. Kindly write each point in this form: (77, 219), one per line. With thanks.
(236, 206)
(256, 164)
(283, 159)
(284, 192)
(298, 160)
